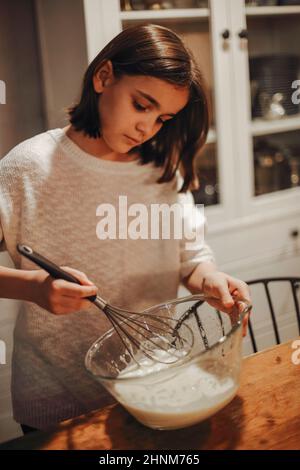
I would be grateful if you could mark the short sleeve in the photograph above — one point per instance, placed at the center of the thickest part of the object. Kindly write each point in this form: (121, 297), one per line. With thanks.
(193, 247)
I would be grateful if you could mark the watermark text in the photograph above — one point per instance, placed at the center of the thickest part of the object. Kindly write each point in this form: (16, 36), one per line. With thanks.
(2, 92)
(152, 221)
(296, 94)
(296, 354)
(2, 352)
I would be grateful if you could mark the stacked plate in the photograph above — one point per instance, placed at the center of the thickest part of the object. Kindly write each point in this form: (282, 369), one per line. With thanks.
(272, 74)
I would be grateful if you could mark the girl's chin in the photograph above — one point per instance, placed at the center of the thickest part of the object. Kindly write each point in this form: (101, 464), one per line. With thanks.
(122, 146)
(115, 147)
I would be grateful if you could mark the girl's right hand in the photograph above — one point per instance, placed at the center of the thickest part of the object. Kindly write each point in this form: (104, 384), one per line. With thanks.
(59, 296)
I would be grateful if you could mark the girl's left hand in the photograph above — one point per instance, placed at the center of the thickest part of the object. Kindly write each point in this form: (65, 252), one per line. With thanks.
(221, 286)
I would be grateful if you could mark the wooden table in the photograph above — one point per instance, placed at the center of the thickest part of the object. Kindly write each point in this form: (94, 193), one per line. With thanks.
(265, 414)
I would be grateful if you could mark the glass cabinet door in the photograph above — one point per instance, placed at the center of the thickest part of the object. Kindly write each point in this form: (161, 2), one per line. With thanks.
(274, 65)
(273, 28)
(266, 115)
(191, 19)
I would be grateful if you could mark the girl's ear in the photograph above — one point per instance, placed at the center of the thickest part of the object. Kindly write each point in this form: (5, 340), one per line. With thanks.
(103, 76)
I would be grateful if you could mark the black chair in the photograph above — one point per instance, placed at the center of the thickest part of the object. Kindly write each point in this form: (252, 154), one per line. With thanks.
(295, 284)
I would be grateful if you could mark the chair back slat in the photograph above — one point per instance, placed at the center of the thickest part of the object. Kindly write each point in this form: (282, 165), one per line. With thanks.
(294, 286)
(274, 322)
(252, 337)
(295, 283)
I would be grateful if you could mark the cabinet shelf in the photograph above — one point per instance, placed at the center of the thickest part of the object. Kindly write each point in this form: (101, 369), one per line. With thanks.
(182, 14)
(273, 11)
(263, 127)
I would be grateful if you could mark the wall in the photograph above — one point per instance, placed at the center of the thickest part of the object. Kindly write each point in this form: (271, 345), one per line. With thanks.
(22, 115)
(63, 55)
(8, 313)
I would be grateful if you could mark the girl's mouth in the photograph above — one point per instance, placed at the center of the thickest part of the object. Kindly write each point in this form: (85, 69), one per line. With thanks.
(133, 141)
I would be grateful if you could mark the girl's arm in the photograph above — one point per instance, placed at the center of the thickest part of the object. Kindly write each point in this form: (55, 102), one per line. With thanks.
(194, 282)
(206, 279)
(17, 284)
(55, 295)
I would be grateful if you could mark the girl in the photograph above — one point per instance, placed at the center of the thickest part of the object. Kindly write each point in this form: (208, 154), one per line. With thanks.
(141, 117)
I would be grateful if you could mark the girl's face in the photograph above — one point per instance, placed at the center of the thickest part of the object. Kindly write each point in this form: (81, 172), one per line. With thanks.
(134, 108)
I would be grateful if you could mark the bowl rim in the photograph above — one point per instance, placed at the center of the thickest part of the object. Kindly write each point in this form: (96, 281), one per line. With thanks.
(177, 364)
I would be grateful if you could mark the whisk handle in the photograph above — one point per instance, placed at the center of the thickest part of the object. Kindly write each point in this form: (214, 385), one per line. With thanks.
(55, 271)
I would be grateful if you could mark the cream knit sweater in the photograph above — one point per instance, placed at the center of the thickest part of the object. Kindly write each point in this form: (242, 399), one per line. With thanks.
(49, 192)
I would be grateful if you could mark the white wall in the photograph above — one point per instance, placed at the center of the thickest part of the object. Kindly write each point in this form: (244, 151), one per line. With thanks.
(8, 313)
(22, 115)
(63, 55)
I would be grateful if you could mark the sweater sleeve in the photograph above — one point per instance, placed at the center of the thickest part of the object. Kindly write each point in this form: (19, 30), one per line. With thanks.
(193, 247)
(10, 191)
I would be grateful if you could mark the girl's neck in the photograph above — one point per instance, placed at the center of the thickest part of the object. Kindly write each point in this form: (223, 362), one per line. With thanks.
(96, 147)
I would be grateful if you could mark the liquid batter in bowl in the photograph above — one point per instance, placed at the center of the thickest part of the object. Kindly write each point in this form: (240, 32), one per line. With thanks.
(172, 399)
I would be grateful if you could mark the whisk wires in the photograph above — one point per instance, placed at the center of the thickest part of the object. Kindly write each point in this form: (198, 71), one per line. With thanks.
(149, 334)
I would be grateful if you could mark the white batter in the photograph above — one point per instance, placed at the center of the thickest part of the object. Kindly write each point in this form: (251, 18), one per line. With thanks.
(174, 398)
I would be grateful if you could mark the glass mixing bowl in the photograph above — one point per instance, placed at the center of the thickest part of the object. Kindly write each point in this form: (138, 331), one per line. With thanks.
(177, 395)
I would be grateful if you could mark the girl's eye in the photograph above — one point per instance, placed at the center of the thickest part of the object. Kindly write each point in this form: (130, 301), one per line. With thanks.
(138, 106)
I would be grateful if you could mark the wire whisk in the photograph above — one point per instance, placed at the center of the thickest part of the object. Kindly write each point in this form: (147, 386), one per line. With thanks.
(142, 333)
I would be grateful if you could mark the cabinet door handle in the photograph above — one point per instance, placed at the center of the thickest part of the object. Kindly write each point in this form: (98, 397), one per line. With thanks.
(294, 233)
(226, 34)
(243, 34)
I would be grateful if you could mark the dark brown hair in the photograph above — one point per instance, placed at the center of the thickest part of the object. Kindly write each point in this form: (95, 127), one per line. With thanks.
(158, 52)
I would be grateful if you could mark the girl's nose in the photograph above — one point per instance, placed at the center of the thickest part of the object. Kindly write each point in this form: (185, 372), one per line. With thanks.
(146, 128)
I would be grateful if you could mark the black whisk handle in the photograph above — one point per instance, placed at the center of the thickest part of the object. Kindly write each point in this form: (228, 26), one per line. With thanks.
(51, 268)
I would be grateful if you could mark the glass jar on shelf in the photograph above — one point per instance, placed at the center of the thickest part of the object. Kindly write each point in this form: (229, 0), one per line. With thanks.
(262, 3)
(294, 163)
(136, 5)
(271, 76)
(206, 165)
(272, 168)
(126, 5)
(184, 3)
